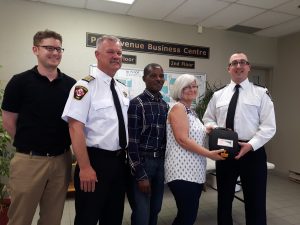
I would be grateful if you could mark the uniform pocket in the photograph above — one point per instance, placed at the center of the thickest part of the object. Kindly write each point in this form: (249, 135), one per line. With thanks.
(222, 107)
(100, 105)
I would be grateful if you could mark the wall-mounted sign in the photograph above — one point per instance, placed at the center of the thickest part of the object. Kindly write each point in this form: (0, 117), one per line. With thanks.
(129, 59)
(181, 64)
(154, 47)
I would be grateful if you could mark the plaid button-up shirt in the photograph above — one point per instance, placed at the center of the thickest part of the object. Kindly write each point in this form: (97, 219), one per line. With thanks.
(147, 117)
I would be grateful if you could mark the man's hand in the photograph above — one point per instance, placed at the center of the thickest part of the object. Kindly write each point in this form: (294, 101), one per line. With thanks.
(245, 147)
(209, 129)
(88, 179)
(144, 186)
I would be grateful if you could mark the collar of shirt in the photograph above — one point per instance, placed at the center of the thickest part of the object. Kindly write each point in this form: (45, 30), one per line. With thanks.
(59, 74)
(152, 97)
(244, 85)
(103, 76)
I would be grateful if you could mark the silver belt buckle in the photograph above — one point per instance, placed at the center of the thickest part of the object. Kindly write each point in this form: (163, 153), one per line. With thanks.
(156, 154)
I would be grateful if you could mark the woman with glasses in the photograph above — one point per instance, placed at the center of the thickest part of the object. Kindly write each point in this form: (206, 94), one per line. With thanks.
(185, 163)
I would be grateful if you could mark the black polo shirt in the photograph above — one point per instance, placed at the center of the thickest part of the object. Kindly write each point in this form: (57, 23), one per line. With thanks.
(39, 104)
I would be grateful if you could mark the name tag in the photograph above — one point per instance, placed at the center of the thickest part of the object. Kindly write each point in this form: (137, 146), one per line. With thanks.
(225, 142)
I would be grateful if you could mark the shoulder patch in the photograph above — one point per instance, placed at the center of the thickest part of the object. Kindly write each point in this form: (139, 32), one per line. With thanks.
(88, 78)
(79, 92)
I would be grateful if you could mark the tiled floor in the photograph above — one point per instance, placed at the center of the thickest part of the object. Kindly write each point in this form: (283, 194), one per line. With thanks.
(283, 206)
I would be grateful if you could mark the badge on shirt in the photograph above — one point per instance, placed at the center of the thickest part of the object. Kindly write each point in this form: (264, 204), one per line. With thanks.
(80, 92)
(125, 94)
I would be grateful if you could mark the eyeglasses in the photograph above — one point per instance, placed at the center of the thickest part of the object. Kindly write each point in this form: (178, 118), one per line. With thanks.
(190, 87)
(52, 48)
(242, 63)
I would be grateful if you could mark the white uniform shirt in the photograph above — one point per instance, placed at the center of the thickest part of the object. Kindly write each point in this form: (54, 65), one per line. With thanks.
(254, 116)
(96, 110)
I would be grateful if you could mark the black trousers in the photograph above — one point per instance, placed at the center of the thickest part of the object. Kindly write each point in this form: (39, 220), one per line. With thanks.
(106, 204)
(187, 196)
(252, 169)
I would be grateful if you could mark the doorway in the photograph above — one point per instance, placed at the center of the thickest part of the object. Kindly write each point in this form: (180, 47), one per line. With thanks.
(261, 76)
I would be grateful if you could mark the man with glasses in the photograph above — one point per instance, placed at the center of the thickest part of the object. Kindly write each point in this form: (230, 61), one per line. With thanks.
(32, 106)
(253, 118)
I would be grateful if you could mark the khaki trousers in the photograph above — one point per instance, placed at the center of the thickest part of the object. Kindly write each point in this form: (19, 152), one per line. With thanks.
(38, 180)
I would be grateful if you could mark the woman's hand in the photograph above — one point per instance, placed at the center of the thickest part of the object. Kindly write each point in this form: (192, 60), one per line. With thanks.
(216, 154)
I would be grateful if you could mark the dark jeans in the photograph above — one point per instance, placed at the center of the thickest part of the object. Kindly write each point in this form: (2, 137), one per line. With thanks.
(146, 207)
(187, 195)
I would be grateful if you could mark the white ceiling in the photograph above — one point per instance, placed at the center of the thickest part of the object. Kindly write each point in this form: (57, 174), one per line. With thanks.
(271, 18)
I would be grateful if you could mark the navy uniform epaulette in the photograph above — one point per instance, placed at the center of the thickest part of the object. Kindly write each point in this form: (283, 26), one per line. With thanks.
(264, 87)
(120, 82)
(220, 88)
(260, 85)
(88, 78)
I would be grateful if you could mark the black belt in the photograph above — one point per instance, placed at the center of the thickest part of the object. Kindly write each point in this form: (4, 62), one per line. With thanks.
(104, 152)
(45, 154)
(157, 154)
(244, 141)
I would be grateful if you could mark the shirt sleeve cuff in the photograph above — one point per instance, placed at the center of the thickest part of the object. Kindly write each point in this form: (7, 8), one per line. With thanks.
(255, 145)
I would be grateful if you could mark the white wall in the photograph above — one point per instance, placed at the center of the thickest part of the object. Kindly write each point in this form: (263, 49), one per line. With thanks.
(19, 21)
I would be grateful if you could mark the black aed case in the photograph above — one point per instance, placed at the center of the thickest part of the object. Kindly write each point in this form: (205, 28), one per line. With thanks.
(222, 138)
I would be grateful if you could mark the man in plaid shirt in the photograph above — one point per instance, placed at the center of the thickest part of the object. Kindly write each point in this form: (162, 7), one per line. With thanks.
(147, 116)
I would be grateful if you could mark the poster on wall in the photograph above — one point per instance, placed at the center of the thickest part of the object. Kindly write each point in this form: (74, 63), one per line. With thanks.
(132, 78)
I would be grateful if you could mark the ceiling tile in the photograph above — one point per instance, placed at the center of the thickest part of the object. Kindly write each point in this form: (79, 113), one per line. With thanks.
(73, 3)
(153, 9)
(290, 7)
(268, 19)
(193, 11)
(238, 14)
(105, 6)
(266, 4)
(229, 0)
(279, 17)
(282, 29)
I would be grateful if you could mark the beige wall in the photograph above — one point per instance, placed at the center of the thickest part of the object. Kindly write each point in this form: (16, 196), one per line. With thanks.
(19, 20)
(286, 148)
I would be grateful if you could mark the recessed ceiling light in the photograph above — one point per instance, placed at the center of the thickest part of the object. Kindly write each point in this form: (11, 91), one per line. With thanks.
(122, 1)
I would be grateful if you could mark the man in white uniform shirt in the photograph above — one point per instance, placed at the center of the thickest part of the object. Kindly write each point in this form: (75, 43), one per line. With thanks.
(254, 121)
(93, 116)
